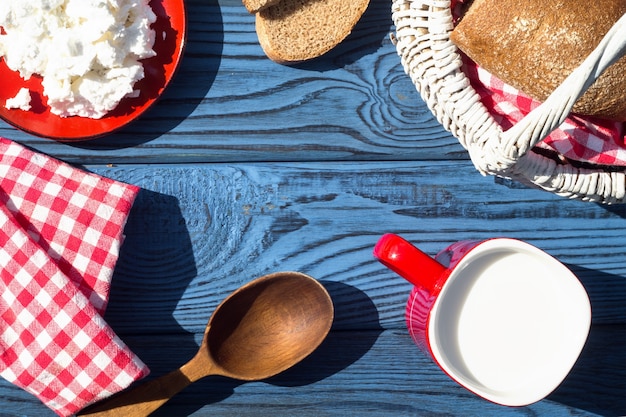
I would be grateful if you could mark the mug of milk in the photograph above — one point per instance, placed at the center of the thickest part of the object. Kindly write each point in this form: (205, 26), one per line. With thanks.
(501, 317)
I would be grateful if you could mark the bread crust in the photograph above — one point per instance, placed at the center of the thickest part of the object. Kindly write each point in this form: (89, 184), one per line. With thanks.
(254, 6)
(293, 31)
(533, 45)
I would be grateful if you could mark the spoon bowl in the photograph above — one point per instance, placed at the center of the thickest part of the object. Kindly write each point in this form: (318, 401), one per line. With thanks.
(278, 319)
(260, 330)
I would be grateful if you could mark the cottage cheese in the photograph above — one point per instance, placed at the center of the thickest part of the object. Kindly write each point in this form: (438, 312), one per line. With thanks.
(20, 101)
(86, 51)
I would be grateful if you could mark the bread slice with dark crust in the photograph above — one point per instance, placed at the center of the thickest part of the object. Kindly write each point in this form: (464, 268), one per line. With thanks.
(533, 45)
(299, 30)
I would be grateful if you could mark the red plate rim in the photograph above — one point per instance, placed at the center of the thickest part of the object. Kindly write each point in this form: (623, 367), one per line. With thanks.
(171, 32)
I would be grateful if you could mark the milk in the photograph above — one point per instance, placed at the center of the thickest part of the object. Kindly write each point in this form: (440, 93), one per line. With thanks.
(506, 321)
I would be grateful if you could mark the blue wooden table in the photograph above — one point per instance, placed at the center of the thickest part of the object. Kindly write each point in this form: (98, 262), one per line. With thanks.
(248, 167)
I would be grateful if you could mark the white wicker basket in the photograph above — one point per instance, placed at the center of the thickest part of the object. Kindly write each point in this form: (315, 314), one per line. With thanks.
(434, 64)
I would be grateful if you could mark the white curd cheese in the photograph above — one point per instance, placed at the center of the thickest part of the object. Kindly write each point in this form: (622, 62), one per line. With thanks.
(87, 52)
(20, 101)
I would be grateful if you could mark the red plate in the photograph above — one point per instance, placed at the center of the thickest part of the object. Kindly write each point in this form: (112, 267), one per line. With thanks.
(170, 28)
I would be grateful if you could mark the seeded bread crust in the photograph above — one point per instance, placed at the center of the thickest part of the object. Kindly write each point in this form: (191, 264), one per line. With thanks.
(533, 45)
(293, 31)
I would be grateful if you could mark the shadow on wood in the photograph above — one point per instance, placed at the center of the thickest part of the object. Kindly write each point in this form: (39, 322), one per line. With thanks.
(155, 266)
(597, 383)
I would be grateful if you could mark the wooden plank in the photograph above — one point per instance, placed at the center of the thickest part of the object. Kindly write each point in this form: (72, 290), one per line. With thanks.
(370, 373)
(198, 232)
(229, 102)
(249, 167)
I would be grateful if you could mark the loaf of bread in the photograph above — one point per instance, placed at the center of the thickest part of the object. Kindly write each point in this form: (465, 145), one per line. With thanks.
(533, 45)
(293, 31)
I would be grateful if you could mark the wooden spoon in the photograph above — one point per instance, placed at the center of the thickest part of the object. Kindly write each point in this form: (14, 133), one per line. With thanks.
(260, 330)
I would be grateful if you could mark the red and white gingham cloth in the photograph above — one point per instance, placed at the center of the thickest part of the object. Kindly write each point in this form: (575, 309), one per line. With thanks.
(579, 138)
(60, 234)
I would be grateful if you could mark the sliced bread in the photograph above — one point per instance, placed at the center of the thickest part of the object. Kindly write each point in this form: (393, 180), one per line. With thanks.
(534, 44)
(299, 30)
(254, 6)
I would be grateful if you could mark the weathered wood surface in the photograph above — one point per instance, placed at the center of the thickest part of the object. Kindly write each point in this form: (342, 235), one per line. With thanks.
(364, 374)
(198, 232)
(211, 228)
(248, 167)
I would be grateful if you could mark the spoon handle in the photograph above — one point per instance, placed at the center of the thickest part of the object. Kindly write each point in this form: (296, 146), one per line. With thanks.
(141, 400)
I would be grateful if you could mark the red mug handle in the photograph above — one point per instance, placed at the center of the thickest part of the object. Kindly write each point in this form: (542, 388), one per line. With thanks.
(409, 262)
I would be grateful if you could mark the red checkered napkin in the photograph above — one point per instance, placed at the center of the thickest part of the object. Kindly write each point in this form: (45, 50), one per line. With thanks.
(60, 233)
(583, 139)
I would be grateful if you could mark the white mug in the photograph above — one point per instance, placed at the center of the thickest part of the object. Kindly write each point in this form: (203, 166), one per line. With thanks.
(502, 318)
